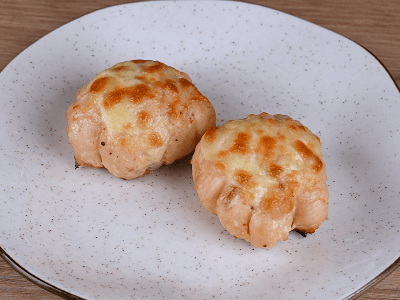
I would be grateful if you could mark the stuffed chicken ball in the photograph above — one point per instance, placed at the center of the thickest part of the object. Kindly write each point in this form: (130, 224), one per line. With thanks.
(136, 116)
(263, 176)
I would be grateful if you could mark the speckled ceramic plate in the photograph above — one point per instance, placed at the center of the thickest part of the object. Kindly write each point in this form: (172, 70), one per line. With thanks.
(86, 233)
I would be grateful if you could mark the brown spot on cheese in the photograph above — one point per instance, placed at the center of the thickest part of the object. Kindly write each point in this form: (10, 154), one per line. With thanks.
(266, 146)
(185, 83)
(271, 121)
(210, 134)
(281, 137)
(144, 118)
(113, 98)
(302, 149)
(241, 143)
(141, 78)
(307, 153)
(120, 68)
(303, 128)
(298, 127)
(170, 86)
(138, 93)
(196, 95)
(134, 94)
(155, 67)
(99, 84)
(318, 165)
(138, 61)
(243, 177)
(274, 170)
(155, 140)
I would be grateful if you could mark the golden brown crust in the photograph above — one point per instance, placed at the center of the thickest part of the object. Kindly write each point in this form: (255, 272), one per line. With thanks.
(146, 113)
(263, 176)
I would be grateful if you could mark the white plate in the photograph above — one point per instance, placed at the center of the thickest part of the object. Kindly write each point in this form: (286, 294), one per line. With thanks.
(98, 237)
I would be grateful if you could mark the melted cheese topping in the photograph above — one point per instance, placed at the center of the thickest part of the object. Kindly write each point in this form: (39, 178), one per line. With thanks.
(138, 100)
(265, 156)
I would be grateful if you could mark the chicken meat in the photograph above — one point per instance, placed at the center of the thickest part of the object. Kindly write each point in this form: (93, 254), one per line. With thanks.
(136, 116)
(263, 176)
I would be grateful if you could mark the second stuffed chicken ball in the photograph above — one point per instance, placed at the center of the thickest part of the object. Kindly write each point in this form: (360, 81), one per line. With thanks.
(263, 176)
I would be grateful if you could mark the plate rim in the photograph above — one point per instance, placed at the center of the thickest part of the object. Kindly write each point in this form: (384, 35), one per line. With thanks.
(35, 279)
(69, 295)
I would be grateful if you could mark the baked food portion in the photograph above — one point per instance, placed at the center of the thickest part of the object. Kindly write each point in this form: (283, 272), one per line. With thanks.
(136, 116)
(263, 176)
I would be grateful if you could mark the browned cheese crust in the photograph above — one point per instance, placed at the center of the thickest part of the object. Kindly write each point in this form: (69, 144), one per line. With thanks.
(263, 176)
(136, 116)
